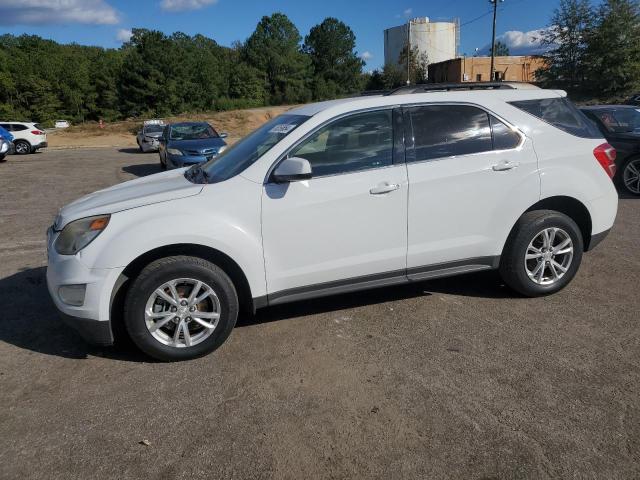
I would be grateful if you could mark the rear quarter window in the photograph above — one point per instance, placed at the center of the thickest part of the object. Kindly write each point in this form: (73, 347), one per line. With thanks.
(560, 113)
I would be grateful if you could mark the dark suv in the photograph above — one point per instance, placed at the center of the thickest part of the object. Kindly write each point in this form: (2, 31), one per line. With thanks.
(620, 124)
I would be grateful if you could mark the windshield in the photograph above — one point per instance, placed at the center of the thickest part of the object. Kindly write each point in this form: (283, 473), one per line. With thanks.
(625, 120)
(244, 153)
(153, 128)
(192, 131)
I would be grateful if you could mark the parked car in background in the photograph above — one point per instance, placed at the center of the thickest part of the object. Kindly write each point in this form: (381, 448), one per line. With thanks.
(28, 136)
(6, 147)
(61, 124)
(185, 144)
(634, 99)
(148, 137)
(334, 197)
(620, 125)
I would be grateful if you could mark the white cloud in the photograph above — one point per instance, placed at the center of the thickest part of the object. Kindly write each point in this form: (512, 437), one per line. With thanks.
(123, 35)
(407, 13)
(521, 43)
(180, 5)
(366, 55)
(41, 12)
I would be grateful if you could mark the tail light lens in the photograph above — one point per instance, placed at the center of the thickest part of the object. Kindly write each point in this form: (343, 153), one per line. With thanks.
(606, 156)
(37, 132)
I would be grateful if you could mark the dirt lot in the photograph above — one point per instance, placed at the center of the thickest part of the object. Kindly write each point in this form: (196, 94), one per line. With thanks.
(454, 378)
(237, 123)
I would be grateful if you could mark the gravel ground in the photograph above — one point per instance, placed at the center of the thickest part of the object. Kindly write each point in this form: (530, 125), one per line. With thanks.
(455, 378)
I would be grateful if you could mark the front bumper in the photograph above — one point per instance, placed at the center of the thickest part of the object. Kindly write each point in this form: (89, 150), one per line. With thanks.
(179, 161)
(92, 318)
(150, 146)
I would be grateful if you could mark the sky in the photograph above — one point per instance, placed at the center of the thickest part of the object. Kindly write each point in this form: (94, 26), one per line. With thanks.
(108, 23)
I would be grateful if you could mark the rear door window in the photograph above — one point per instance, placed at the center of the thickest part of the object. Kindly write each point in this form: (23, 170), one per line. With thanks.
(504, 137)
(560, 113)
(449, 130)
(17, 128)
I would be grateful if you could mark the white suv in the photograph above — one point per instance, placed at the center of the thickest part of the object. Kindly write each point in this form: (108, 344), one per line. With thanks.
(28, 136)
(334, 197)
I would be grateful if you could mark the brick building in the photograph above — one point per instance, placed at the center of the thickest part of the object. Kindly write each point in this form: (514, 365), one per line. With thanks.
(477, 69)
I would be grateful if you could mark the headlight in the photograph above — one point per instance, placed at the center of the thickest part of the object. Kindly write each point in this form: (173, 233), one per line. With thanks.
(174, 151)
(222, 149)
(80, 233)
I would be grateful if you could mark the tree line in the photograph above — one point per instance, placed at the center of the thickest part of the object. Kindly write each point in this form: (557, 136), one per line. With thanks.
(594, 50)
(154, 74)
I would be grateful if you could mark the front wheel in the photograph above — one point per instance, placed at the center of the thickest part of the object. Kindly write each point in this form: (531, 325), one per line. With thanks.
(542, 254)
(630, 176)
(180, 308)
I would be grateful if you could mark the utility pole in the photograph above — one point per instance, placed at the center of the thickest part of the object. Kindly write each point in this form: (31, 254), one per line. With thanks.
(408, 50)
(493, 37)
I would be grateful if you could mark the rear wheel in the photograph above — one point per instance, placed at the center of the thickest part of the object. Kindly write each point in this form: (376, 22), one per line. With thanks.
(630, 176)
(22, 147)
(180, 308)
(3, 157)
(542, 254)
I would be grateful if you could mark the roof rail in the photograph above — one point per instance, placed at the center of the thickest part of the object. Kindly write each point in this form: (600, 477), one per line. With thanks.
(445, 87)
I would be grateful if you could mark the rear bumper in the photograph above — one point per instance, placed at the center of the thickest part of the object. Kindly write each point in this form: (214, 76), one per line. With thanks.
(40, 145)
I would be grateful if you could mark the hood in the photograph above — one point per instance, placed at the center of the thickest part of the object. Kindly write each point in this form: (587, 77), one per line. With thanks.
(157, 188)
(197, 145)
(152, 134)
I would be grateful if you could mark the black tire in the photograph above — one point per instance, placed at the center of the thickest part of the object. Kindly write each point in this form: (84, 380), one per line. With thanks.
(512, 262)
(3, 158)
(163, 166)
(22, 147)
(165, 270)
(140, 148)
(621, 175)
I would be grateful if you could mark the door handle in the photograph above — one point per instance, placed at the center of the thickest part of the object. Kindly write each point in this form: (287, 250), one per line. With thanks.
(506, 165)
(384, 188)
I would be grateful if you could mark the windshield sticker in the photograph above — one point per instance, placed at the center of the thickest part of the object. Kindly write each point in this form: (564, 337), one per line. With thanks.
(282, 128)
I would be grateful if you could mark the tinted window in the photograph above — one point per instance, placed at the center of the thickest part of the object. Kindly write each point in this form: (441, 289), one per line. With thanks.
(504, 137)
(560, 113)
(353, 143)
(6, 126)
(17, 128)
(626, 120)
(38, 126)
(448, 130)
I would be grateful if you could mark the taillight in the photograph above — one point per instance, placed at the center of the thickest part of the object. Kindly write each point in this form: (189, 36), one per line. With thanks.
(606, 156)
(37, 132)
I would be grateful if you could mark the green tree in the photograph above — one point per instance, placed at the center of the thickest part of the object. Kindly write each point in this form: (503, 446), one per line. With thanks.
(613, 50)
(567, 39)
(501, 49)
(274, 49)
(336, 67)
(418, 65)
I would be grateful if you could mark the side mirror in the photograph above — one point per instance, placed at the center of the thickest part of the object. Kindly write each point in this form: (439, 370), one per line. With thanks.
(291, 170)
(223, 135)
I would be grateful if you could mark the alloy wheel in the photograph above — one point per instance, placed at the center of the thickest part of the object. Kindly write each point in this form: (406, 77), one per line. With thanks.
(182, 312)
(548, 256)
(22, 148)
(631, 176)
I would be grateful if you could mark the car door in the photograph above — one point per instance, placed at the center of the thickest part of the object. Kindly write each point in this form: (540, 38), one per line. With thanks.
(346, 227)
(470, 177)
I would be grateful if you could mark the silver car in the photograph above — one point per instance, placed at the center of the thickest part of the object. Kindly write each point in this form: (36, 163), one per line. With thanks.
(148, 137)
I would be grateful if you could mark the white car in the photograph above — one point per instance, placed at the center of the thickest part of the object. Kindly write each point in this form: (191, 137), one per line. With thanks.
(61, 124)
(27, 136)
(334, 197)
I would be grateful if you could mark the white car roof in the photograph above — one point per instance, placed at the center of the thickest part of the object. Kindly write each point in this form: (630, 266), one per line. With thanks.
(478, 95)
